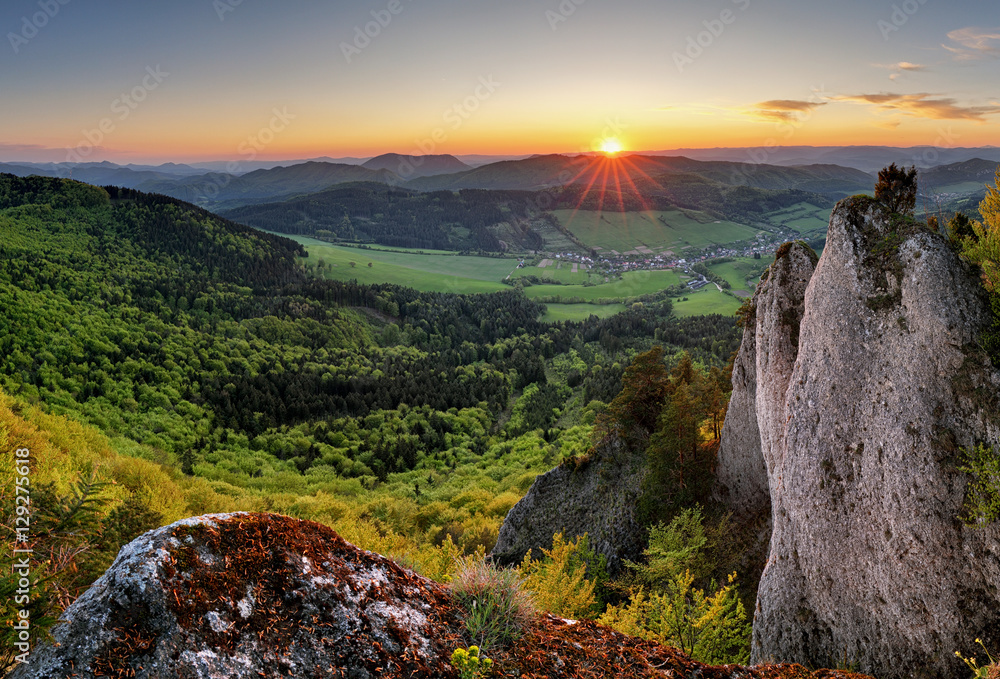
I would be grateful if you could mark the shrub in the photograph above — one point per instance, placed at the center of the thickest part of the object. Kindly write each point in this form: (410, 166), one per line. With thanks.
(708, 624)
(496, 606)
(559, 582)
(711, 628)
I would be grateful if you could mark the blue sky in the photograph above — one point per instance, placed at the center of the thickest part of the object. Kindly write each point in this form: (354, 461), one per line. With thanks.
(521, 76)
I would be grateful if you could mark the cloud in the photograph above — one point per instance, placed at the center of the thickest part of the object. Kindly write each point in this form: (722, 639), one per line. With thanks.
(974, 43)
(924, 105)
(900, 67)
(783, 110)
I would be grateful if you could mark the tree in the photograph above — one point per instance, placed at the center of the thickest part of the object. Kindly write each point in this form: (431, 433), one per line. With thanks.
(960, 227)
(665, 606)
(897, 189)
(635, 411)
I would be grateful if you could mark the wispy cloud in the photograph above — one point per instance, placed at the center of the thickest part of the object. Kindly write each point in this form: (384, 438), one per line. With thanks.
(783, 110)
(924, 105)
(974, 43)
(901, 67)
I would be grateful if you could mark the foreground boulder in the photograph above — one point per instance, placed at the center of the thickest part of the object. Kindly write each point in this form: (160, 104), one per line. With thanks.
(598, 496)
(260, 595)
(865, 393)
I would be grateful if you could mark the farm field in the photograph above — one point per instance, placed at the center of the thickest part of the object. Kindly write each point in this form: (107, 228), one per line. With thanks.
(650, 232)
(431, 273)
(802, 217)
(737, 271)
(632, 284)
(708, 300)
(559, 271)
(579, 312)
(468, 274)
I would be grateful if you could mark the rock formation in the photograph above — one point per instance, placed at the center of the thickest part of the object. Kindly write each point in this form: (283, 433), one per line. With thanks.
(596, 496)
(774, 322)
(250, 595)
(862, 409)
(259, 595)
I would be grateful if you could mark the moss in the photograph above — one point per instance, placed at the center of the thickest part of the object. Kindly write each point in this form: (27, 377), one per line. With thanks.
(884, 302)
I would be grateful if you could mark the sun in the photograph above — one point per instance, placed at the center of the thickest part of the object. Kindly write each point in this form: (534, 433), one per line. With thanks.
(611, 146)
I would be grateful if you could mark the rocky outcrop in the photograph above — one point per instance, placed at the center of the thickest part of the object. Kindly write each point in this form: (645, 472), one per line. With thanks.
(247, 595)
(596, 496)
(260, 595)
(760, 378)
(861, 421)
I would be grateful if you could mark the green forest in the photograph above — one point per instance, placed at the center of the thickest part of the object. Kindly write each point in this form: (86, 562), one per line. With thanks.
(163, 362)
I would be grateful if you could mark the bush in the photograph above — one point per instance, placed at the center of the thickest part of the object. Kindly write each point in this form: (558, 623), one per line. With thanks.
(711, 628)
(497, 607)
(664, 605)
(559, 582)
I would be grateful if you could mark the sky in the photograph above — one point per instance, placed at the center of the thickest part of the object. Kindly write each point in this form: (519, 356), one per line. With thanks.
(197, 80)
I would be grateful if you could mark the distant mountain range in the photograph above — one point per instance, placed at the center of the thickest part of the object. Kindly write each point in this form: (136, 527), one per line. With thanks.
(677, 177)
(864, 158)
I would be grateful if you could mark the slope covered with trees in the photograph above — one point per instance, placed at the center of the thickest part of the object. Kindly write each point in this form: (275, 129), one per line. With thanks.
(375, 213)
(210, 373)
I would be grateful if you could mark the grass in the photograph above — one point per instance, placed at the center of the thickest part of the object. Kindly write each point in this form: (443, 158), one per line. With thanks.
(802, 217)
(579, 312)
(632, 284)
(737, 271)
(657, 230)
(708, 300)
(427, 272)
(469, 274)
(559, 271)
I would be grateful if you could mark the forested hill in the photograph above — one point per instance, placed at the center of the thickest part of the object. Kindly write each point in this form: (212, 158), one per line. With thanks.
(470, 219)
(168, 326)
(171, 238)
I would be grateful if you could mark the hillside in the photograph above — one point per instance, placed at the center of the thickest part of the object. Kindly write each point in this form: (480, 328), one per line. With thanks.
(638, 173)
(410, 167)
(376, 213)
(223, 378)
(221, 191)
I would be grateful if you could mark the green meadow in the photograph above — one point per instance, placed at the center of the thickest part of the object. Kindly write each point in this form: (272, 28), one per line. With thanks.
(427, 272)
(632, 284)
(708, 300)
(739, 270)
(802, 217)
(655, 230)
(574, 301)
(579, 312)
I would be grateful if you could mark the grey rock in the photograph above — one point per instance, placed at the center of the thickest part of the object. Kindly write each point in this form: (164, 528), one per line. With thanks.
(869, 563)
(597, 497)
(249, 595)
(760, 377)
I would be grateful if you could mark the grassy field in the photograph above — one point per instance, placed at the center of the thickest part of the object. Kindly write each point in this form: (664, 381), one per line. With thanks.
(654, 231)
(431, 273)
(632, 284)
(579, 312)
(462, 274)
(737, 271)
(559, 271)
(802, 217)
(708, 300)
